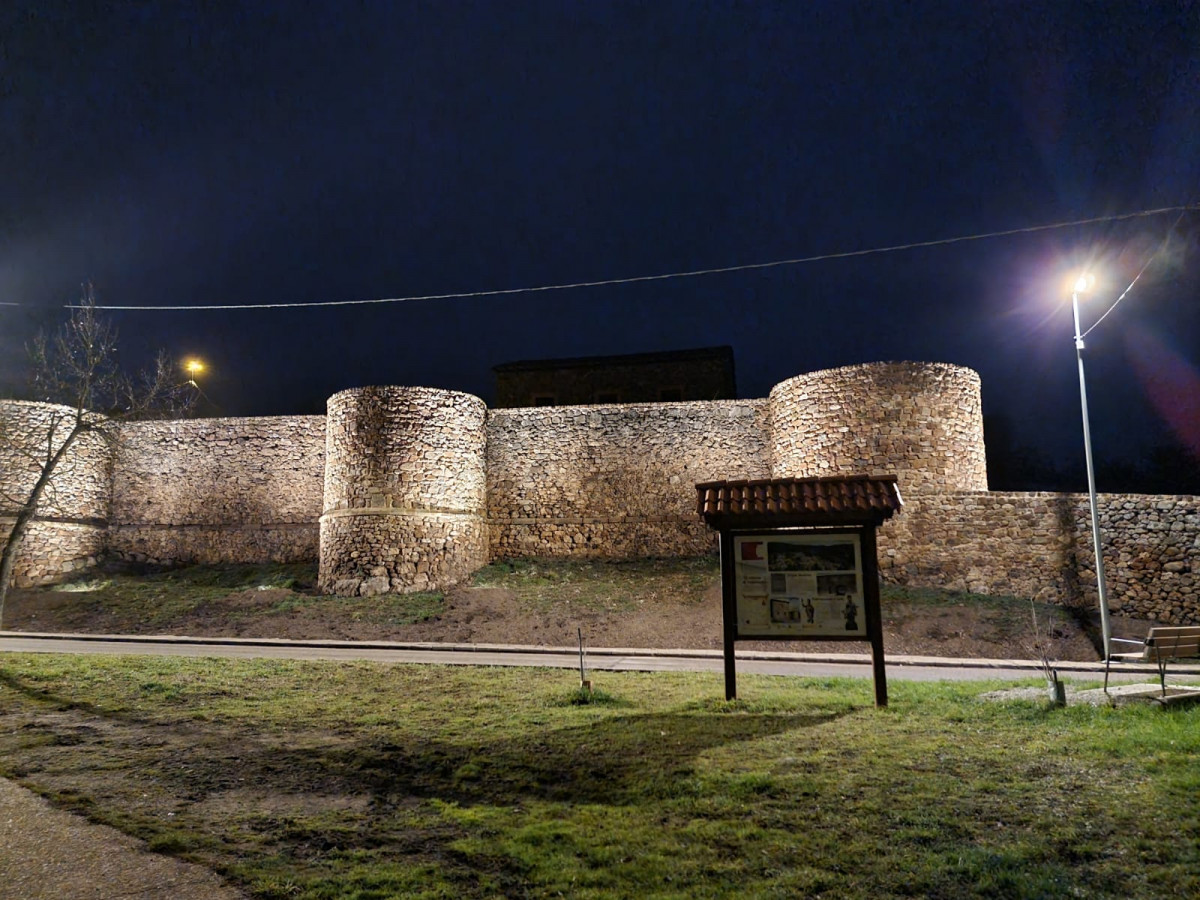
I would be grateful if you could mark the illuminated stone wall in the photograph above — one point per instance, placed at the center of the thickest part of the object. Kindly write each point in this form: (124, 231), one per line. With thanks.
(920, 421)
(1040, 545)
(54, 549)
(218, 490)
(70, 530)
(405, 490)
(615, 480)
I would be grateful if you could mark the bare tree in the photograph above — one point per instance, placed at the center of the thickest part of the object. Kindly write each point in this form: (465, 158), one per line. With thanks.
(78, 369)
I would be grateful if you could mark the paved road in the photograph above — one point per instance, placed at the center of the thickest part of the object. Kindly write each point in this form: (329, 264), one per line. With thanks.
(770, 663)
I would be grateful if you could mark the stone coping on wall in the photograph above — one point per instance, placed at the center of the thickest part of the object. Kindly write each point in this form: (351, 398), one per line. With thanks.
(200, 422)
(681, 405)
(41, 404)
(408, 388)
(1168, 499)
(880, 364)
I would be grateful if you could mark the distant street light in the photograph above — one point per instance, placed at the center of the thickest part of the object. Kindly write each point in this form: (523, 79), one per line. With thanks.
(1083, 284)
(194, 367)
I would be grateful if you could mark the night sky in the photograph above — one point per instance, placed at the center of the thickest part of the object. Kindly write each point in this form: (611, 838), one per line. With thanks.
(201, 154)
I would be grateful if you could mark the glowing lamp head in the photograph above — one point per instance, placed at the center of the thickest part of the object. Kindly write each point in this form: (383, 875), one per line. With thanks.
(193, 367)
(1084, 283)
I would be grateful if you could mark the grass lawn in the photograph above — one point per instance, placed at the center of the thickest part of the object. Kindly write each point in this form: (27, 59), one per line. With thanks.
(323, 780)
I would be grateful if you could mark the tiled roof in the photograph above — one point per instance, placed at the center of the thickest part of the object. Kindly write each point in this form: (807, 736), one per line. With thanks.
(799, 501)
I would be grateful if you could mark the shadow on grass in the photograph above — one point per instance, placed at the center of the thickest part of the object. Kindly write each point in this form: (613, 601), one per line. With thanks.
(268, 792)
(624, 758)
(621, 760)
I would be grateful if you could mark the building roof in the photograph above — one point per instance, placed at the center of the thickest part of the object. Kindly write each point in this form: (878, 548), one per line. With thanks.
(784, 502)
(529, 365)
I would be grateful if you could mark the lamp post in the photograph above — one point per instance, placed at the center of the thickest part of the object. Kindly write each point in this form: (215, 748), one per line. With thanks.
(1083, 284)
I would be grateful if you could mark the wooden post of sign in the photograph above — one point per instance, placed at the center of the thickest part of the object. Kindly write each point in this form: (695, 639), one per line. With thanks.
(870, 564)
(728, 613)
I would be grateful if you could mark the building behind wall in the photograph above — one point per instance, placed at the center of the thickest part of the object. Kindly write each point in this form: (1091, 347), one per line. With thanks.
(701, 374)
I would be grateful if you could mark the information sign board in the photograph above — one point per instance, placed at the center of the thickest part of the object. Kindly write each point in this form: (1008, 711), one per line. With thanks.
(789, 586)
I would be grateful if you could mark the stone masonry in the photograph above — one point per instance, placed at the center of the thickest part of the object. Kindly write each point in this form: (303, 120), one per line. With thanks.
(71, 530)
(218, 490)
(921, 421)
(614, 480)
(405, 490)
(402, 489)
(1040, 545)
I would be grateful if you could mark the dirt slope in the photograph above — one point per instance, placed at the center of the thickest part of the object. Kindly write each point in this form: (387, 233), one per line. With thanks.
(651, 604)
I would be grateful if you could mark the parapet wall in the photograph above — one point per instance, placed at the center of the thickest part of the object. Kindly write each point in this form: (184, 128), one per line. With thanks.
(69, 532)
(1040, 545)
(615, 480)
(218, 490)
(920, 421)
(405, 490)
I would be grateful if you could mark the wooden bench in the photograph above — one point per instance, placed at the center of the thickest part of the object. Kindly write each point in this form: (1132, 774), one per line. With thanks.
(1162, 644)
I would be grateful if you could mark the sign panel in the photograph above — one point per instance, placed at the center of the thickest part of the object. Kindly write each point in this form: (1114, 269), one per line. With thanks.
(799, 585)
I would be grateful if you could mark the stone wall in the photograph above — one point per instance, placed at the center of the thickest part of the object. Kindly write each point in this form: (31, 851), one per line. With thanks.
(617, 480)
(412, 488)
(920, 421)
(218, 490)
(28, 432)
(69, 531)
(1040, 545)
(405, 490)
(53, 549)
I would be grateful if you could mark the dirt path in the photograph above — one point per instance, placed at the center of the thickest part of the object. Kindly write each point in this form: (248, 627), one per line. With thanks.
(50, 854)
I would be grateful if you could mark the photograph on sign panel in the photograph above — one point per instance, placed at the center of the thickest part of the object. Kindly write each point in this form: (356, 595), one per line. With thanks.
(786, 556)
(839, 585)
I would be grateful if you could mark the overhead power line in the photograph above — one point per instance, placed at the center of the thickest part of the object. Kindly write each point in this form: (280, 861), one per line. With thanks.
(1155, 255)
(693, 273)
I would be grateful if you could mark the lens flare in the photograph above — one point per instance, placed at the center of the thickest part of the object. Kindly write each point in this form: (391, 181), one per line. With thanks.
(1170, 382)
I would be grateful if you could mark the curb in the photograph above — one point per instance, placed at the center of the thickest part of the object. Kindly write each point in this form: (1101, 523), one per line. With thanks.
(1072, 667)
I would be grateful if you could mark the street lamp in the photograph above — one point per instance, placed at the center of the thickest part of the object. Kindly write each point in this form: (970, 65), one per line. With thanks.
(194, 367)
(1083, 284)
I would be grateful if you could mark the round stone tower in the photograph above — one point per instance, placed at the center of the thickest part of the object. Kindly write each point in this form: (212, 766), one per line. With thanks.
(920, 421)
(405, 490)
